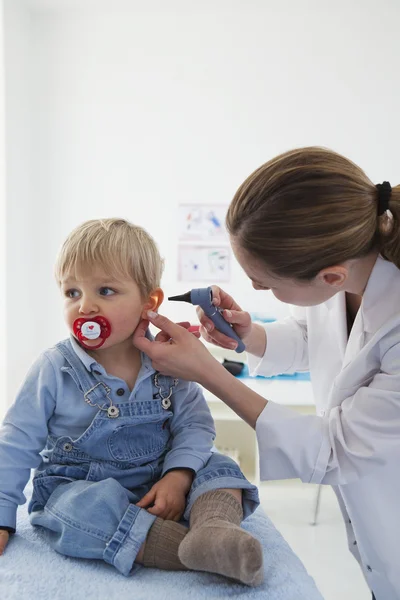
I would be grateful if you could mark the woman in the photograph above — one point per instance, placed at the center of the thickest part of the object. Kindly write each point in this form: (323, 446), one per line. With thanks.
(311, 227)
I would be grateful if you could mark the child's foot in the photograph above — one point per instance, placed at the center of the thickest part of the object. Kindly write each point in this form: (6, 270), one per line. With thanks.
(161, 547)
(224, 548)
(216, 543)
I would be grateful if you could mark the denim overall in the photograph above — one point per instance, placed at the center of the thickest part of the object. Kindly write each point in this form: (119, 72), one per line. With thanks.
(87, 490)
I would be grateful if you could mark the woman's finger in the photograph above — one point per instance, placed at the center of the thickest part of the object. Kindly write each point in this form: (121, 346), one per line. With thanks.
(241, 322)
(231, 312)
(166, 325)
(162, 337)
(217, 292)
(204, 320)
(170, 329)
(237, 317)
(139, 338)
(223, 299)
(176, 352)
(219, 339)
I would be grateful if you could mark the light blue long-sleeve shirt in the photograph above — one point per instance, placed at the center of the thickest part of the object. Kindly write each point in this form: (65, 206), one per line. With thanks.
(50, 403)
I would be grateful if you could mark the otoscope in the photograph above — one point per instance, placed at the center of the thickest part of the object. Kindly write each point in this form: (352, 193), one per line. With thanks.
(203, 297)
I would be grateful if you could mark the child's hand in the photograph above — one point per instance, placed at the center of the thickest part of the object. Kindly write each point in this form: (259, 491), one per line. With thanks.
(4, 537)
(167, 498)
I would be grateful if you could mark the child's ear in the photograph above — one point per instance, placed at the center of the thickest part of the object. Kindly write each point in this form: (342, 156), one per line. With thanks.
(154, 301)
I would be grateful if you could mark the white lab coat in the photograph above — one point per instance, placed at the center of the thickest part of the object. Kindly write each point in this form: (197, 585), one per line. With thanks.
(353, 442)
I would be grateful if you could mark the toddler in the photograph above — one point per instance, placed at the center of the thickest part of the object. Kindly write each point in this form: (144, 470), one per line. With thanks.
(122, 453)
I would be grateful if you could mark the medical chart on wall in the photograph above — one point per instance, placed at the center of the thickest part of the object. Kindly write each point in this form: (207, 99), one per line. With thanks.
(202, 222)
(204, 253)
(204, 263)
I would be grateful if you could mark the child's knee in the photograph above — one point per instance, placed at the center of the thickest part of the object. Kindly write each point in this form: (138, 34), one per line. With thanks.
(100, 505)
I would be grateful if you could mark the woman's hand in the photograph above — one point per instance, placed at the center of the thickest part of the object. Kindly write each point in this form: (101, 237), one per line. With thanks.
(175, 351)
(232, 313)
(253, 335)
(178, 353)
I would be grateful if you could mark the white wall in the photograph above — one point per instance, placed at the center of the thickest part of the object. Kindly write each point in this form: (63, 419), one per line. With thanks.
(20, 213)
(3, 363)
(126, 108)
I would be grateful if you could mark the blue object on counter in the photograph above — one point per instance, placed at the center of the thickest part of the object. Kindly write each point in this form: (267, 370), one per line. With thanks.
(260, 318)
(294, 377)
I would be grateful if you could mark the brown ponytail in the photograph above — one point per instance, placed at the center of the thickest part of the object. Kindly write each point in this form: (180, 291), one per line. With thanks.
(310, 209)
(389, 230)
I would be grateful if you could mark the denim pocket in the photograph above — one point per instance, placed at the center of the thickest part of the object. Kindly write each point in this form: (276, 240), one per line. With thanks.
(140, 442)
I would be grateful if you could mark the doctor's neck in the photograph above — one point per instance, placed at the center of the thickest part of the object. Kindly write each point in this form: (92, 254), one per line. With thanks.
(358, 273)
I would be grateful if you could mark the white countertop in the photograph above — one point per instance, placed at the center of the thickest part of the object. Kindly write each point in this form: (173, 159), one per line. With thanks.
(288, 392)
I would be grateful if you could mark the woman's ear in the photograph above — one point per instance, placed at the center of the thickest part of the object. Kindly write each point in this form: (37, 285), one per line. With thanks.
(154, 301)
(334, 276)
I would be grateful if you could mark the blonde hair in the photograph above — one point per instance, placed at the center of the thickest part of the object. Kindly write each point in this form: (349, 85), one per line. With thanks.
(310, 209)
(115, 245)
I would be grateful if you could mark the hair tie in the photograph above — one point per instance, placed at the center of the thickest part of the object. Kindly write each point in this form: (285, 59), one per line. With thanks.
(384, 192)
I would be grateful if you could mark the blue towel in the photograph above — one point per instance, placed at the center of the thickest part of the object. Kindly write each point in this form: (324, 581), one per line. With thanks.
(304, 376)
(31, 569)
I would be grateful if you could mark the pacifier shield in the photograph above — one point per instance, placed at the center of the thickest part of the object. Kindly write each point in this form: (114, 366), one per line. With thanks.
(90, 330)
(87, 330)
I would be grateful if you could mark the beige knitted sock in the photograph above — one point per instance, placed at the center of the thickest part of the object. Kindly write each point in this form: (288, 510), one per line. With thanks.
(216, 543)
(162, 543)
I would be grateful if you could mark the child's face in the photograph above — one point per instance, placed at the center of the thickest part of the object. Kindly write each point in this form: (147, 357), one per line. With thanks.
(117, 299)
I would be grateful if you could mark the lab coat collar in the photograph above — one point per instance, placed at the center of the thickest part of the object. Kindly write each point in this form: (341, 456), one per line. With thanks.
(380, 300)
(381, 297)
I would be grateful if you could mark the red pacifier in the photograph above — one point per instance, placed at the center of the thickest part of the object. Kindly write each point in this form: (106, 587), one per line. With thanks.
(92, 329)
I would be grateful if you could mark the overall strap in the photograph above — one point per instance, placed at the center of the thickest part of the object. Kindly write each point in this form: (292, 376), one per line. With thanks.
(94, 391)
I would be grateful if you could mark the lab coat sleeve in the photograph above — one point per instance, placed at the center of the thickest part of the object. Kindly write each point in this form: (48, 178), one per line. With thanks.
(345, 444)
(287, 346)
